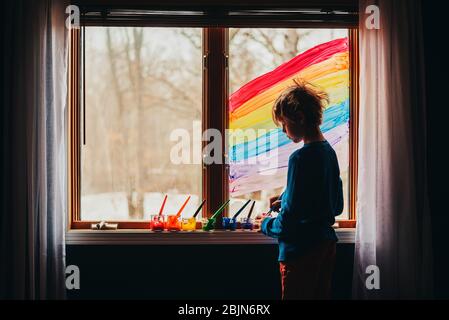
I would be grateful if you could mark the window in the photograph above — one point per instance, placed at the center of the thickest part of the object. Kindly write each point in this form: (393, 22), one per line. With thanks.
(141, 83)
(136, 86)
(262, 64)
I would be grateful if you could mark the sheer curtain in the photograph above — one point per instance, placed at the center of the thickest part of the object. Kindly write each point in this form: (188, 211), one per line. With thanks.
(32, 250)
(393, 228)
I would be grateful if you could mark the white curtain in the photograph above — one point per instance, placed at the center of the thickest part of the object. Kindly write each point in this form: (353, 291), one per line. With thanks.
(393, 227)
(32, 257)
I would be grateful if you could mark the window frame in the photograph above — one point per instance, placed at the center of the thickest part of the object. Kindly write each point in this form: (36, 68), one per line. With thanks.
(215, 93)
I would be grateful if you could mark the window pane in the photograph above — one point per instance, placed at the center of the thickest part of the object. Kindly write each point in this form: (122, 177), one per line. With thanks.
(262, 64)
(142, 84)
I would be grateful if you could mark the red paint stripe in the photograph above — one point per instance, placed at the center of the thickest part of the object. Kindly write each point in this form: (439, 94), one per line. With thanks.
(312, 56)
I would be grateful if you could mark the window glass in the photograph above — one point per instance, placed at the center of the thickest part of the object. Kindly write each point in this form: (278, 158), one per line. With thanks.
(262, 64)
(143, 89)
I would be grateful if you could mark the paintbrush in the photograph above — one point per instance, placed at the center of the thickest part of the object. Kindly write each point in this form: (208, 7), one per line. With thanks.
(211, 222)
(241, 210)
(163, 205)
(231, 223)
(199, 208)
(268, 214)
(183, 206)
(157, 221)
(247, 225)
(251, 211)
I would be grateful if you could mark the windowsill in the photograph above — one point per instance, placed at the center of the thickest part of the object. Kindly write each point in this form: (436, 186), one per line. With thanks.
(146, 237)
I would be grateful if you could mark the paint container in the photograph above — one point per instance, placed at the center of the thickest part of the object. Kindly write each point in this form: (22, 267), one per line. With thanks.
(247, 224)
(210, 224)
(229, 223)
(188, 224)
(173, 223)
(157, 222)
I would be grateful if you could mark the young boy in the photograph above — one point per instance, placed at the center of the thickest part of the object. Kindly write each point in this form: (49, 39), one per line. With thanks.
(311, 200)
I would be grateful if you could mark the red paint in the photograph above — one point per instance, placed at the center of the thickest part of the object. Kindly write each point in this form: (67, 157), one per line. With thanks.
(286, 70)
(157, 223)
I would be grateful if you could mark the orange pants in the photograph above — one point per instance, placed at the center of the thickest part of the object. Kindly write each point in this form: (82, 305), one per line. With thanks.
(310, 275)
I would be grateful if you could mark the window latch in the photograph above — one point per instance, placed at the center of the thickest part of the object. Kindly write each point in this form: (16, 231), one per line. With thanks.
(206, 61)
(226, 58)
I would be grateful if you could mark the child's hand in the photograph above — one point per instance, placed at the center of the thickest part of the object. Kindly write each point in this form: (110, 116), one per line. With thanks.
(273, 199)
(276, 205)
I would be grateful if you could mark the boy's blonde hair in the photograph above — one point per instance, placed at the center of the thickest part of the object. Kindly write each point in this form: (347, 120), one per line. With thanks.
(302, 97)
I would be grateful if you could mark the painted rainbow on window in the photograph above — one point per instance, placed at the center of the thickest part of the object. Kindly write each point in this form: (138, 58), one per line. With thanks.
(259, 161)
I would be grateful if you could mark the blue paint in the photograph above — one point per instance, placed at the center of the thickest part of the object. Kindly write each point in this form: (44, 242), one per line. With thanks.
(229, 224)
(333, 116)
(247, 224)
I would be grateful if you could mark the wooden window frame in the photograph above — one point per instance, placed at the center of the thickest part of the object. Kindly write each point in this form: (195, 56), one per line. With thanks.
(215, 93)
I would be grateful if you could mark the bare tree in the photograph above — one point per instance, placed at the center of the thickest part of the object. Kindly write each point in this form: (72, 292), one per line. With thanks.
(129, 118)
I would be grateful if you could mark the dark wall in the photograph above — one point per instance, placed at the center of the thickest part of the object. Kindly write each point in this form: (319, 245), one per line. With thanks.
(188, 272)
(435, 40)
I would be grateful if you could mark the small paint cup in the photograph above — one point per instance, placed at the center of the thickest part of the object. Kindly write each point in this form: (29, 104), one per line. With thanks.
(173, 223)
(157, 222)
(188, 224)
(247, 223)
(229, 224)
(208, 225)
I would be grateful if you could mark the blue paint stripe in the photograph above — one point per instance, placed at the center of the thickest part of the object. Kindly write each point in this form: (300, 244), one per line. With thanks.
(334, 116)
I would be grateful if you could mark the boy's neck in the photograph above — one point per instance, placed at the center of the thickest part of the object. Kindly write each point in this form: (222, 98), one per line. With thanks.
(314, 135)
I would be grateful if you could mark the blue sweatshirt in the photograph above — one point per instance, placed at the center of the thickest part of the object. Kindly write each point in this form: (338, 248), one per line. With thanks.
(310, 202)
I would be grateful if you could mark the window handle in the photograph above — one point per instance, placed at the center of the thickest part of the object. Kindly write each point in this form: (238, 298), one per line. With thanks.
(203, 162)
(226, 160)
(206, 61)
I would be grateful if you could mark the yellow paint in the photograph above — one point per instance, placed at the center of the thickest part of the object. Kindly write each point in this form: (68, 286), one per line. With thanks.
(188, 224)
(331, 75)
